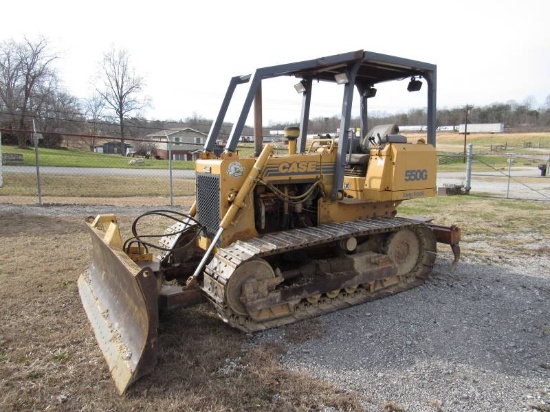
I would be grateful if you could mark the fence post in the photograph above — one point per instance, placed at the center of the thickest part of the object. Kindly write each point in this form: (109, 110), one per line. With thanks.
(510, 161)
(469, 169)
(35, 137)
(169, 143)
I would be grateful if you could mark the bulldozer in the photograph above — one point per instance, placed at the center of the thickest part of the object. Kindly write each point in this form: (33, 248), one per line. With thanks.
(277, 237)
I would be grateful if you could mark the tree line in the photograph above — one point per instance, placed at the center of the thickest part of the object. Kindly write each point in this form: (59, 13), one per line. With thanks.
(32, 95)
(31, 92)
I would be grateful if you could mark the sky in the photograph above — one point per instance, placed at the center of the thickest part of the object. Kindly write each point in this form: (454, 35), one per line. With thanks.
(486, 51)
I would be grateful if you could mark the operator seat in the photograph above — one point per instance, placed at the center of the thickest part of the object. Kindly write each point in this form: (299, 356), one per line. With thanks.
(381, 134)
(376, 136)
(356, 164)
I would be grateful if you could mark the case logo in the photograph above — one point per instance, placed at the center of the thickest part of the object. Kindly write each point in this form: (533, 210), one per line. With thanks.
(235, 169)
(298, 167)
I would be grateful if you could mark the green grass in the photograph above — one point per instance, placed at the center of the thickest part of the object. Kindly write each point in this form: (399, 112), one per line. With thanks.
(479, 163)
(78, 158)
(61, 357)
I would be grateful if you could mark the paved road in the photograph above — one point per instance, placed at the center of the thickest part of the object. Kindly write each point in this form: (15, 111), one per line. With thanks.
(460, 177)
(523, 183)
(92, 171)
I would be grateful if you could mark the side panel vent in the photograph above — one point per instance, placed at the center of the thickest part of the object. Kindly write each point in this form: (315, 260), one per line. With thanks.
(208, 202)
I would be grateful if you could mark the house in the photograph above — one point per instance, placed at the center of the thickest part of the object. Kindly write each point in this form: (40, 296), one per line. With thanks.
(185, 143)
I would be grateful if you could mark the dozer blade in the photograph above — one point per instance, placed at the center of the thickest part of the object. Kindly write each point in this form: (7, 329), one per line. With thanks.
(121, 301)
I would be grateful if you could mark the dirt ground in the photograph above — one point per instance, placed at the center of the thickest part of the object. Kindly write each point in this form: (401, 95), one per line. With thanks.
(49, 359)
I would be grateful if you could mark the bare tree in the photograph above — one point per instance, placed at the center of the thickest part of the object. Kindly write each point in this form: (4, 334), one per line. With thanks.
(10, 77)
(37, 73)
(530, 102)
(59, 114)
(25, 69)
(94, 107)
(121, 87)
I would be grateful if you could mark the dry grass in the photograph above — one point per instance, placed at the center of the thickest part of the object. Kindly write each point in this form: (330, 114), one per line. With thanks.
(485, 140)
(517, 225)
(49, 359)
(59, 185)
(392, 406)
(135, 201)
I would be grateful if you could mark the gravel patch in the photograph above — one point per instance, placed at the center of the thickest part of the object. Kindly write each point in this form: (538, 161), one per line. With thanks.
(80, 210)
(474, 340)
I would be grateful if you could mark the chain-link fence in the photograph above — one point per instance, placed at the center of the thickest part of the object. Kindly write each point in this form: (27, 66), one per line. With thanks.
(53, 176)
(89, 177)
(500, 174)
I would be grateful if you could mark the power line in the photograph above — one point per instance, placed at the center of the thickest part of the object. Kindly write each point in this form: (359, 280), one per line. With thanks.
(102, 123)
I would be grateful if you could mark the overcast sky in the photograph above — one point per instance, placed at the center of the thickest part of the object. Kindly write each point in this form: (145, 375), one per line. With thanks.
(486, 51)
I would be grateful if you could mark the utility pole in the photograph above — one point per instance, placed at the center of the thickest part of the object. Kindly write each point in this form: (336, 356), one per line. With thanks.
(467, 109)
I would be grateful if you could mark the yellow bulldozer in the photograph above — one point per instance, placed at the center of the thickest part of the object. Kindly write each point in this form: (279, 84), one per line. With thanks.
(277, 238)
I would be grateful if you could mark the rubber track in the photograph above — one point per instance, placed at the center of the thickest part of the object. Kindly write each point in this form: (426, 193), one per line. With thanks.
(226, 260)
